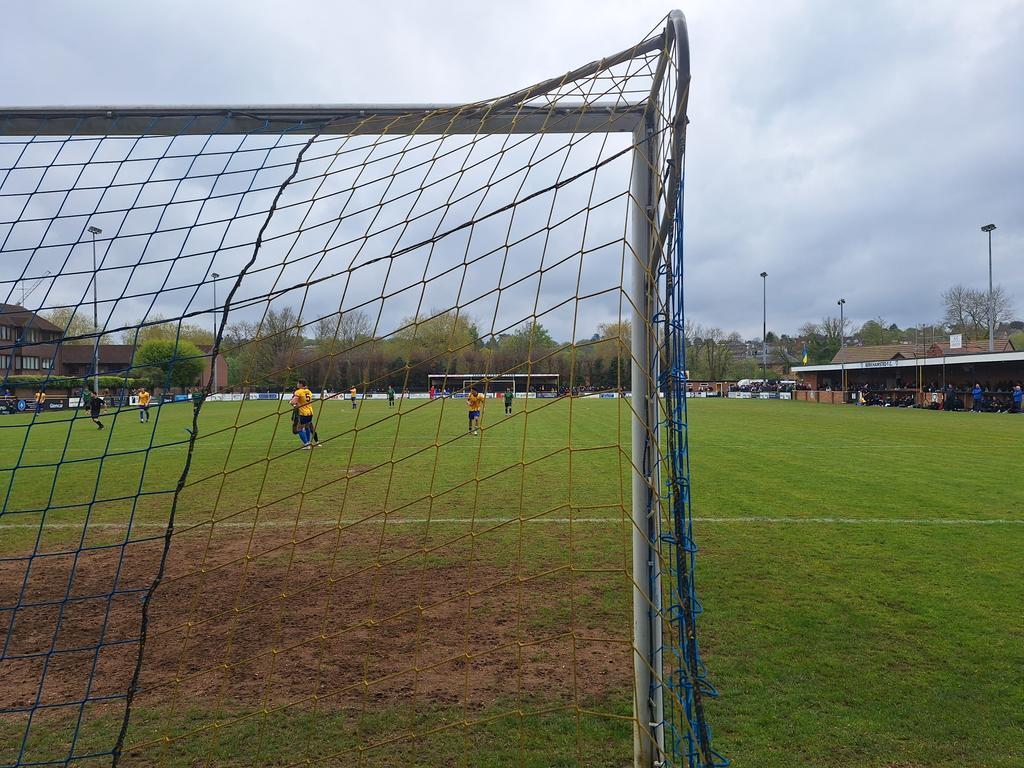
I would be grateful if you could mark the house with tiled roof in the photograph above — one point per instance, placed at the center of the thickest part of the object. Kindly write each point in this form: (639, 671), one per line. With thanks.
(29, 344)
(906, 351)
(925, 368)
(114, 360)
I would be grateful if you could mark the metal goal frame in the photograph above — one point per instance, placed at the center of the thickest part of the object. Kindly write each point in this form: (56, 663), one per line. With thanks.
(660, 483)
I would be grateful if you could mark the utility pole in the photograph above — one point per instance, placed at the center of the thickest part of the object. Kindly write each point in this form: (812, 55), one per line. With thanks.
(95, 317)
(991, 296)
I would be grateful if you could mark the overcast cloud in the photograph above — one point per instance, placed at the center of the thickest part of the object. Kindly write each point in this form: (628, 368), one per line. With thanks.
(848, 149)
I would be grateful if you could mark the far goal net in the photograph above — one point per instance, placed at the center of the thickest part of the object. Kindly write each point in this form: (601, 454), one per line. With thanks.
(519, 384)
(223, 541)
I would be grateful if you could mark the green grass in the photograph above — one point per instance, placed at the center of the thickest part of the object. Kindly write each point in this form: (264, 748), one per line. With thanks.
(894, 641)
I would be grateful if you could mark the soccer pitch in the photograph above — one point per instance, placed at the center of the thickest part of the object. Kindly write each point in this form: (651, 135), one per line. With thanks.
(859, 568)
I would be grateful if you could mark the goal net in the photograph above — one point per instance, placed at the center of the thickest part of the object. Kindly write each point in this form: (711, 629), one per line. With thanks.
(525, 384)
(220, 543)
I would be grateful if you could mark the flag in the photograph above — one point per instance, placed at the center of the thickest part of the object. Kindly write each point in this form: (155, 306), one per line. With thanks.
(806, 356)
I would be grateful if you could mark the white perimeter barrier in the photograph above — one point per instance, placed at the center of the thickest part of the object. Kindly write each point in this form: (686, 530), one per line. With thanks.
(761, 395)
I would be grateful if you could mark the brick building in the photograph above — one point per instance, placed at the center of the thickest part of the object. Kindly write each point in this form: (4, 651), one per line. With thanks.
(30, 346)
(920, 369)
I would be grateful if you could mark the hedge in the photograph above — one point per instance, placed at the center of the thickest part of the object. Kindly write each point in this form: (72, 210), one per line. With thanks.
(69, 382)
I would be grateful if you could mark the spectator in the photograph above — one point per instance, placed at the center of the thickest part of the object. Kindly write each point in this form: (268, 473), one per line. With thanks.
(1018, 395)
(978, 397)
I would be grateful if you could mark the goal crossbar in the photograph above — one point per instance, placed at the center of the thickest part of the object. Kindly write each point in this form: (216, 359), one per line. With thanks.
(508, 114)
(338, 119)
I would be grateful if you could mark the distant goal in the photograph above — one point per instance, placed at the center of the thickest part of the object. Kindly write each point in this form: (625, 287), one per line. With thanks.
(520, 384)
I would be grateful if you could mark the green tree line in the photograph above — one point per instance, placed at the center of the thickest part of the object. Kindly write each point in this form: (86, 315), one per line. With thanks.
(343, 350)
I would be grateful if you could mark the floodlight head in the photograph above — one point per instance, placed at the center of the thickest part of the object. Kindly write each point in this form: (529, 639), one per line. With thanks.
(214, 275)
(841, 302)
(764, 274)
(988, 227)
(95, 230)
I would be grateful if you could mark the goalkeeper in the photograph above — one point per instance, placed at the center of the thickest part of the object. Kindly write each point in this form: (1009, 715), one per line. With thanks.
(508, 401)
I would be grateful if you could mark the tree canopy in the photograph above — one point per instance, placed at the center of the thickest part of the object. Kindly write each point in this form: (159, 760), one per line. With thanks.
(73, 321)
(156, 327)
(967, 310)
(165, 362)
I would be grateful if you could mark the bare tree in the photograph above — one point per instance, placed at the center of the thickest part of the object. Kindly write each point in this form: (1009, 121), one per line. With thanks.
(343, 349)
(1001, 307)
(831, 328)
(74, 322)
(342, 329)
(689, 331)
(713, 351)
(967, 310)
(265, 350)
(958, 302)
(823, 339)
(810, 329)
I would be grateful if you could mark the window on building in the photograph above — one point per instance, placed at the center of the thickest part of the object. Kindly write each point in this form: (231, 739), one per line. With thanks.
(45, 363)
(7, 332)
(29, 335)
(29, 363)
(5, 361)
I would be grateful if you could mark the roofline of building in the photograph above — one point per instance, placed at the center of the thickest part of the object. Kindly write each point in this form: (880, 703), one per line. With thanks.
(914, 362)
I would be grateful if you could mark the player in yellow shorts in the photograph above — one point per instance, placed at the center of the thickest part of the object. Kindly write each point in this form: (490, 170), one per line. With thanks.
(302, 402)
(476, 402)
(144, 398)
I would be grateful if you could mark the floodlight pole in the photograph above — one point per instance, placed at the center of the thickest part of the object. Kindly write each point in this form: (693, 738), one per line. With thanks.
(95, 317)
(842, 346)
(648, 728)
(213, 360)
(764, 326)
(991, 296)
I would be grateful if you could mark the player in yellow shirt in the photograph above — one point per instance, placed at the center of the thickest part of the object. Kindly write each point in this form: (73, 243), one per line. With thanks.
(144, 397)
(476, 402)
(352, 395)
(302, 402)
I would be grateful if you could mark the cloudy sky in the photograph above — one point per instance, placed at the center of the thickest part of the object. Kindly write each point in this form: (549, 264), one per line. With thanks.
(848, 149)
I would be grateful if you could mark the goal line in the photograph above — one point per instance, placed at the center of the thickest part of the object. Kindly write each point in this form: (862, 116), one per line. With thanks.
(381, 519)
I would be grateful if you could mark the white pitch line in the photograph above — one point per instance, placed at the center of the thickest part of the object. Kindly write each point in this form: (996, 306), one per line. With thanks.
(866, 520)
(481, 521)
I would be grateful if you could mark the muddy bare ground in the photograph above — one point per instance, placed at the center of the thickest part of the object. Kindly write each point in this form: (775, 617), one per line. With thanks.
(332, 616)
